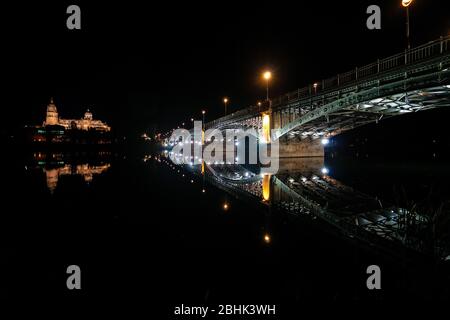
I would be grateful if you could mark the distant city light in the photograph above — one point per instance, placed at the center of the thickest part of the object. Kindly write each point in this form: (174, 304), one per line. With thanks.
(267, 75)
(325, 141)
(324, 170)
(267, 238)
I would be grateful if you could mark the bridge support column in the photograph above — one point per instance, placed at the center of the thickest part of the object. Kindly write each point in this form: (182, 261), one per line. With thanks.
(304, 148)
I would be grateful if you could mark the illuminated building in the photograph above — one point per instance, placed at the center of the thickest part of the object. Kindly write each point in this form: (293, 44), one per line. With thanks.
(86, 123)
(85, 170)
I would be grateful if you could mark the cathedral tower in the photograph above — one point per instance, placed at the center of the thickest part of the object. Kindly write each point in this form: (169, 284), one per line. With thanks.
(52, 114)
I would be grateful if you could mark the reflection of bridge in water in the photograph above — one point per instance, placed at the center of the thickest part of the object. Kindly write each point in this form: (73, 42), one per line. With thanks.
(303, 188)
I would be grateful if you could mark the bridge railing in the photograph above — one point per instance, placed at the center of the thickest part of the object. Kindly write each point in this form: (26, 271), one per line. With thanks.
(414, 55)
(243, 112)
(423, 52)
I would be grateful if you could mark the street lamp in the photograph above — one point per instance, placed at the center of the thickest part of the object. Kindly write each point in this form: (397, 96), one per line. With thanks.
(315, 87)
(225, 101)
(267, 76)
(259, 105)
(203, 113)
(406, 4)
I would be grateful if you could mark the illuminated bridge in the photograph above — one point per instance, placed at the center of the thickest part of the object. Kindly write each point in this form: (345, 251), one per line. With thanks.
(414, 80)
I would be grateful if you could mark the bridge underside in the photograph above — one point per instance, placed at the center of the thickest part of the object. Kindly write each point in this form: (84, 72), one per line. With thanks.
(300, 130)
(370, 111)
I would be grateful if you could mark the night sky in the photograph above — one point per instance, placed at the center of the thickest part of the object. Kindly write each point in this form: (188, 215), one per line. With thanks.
(146, 65)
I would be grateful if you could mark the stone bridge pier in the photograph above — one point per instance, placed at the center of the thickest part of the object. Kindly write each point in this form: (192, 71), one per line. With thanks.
(294, 147)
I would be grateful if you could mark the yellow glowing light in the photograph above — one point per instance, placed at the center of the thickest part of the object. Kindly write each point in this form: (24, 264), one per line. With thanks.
(267, 238)
(203, 111)
(259, 103)
(406, 3)
(225, 100)
(266, 187)
(266, 128)
(267, 75)
(225, 206)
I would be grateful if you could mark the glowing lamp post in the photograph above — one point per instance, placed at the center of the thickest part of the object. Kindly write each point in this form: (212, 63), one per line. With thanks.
(406, 4)
(267, 76)
(225, 101)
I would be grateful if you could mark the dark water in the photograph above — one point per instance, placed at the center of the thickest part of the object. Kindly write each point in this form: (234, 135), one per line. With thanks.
(143, 229)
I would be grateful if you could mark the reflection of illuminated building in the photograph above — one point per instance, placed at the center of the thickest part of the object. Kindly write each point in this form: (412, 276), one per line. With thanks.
(86, 123)
(85, 170)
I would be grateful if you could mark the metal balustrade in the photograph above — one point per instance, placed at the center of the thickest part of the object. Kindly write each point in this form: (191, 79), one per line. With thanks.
(327, 87)
(420, 53)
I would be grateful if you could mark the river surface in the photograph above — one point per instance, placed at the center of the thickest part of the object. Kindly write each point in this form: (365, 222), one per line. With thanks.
(141, 226)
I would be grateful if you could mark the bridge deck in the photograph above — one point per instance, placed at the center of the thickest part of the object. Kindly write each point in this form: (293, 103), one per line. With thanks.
(417, 79)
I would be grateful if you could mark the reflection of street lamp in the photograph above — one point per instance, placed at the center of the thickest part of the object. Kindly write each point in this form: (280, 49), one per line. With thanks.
(406, 4)
(315, 87)
(225, 101)
(267, 76)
